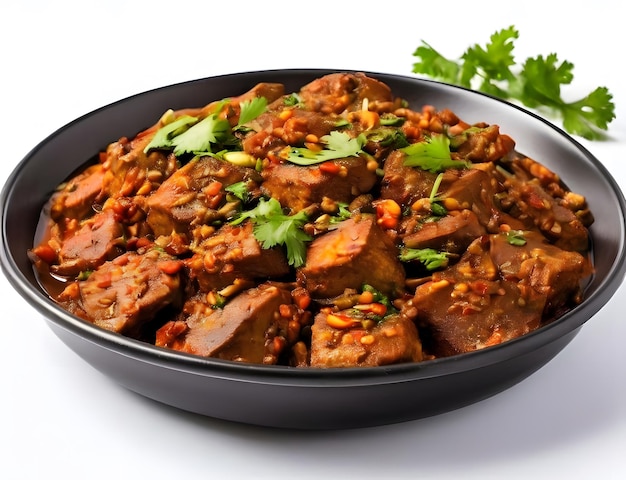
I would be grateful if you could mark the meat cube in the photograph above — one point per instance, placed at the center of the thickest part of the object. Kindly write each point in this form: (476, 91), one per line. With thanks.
(357, 252)
(234, 253)
(275, 129)
(484, 144)
(249, 328)
(130, 171)
(404, 184)
(270, 91)
(539, 209)
(194, 194)
(393, 340)
(474, 189)
(499, 290)
(341, 92)
(556, 273)
(489, 313)
(100, 238)
(451, 233)
(126, 292)
(75, 198)
(297, 187)
(469, 306)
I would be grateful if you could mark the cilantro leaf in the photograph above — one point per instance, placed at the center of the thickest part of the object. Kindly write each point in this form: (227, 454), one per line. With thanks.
(337, 145)
(163, 136)
(272, 227)
(200, 136)
(432, 155)
(429, 257)
(436, 65)
(536, 83)
(251, 109)
(542, 80)
(292, 100)
(515, 237)
(492, 63)
(239, 190)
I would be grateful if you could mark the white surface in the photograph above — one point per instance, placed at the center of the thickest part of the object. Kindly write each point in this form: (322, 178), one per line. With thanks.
(61, 418)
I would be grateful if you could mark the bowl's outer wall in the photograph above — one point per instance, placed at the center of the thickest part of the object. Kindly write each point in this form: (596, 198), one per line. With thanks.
(443, 385)
(312, 405)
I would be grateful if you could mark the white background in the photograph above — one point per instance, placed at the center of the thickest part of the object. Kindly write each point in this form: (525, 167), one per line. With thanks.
(59, 417)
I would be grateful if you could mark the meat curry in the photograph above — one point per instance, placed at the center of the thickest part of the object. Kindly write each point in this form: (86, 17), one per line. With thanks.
(335, 226)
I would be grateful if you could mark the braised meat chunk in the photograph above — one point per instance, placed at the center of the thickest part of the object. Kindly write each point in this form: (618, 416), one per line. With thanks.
(340, 92)
(195, 195)
(341, 341)
(125, 292)
(357, 252)
(250, 328)
(234, 253)
(501, 289)
(405, 184)
(548, 269)
(98, 239)
(297, 187)
(330, 226)
(451, 233)
(76, 197)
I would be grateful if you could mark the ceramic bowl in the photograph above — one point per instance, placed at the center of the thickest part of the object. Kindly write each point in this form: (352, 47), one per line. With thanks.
(308, 398)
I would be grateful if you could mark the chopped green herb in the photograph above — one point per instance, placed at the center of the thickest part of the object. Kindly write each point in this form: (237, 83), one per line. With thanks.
(342, 214)
(251, 109)
(201, 136)
(219, 301)
(436, 207)
(342, 123)
(239, 190)
(516, 237)
(84, 275)
(388, 137)
(163, 136)
(429, 257)
(338, 145)
(432, 155)
(272, 227)
(292, 100)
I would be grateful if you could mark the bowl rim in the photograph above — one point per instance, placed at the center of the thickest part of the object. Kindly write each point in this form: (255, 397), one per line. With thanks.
(324, 377)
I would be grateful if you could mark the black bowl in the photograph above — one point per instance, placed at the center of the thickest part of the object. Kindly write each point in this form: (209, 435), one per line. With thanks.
(308, 398)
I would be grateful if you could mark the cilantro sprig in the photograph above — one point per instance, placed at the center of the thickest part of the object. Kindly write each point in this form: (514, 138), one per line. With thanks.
(272, 227)
(202, 136)
(536, 83)
(436, 205)
(188, 134)
(251, 109)
(164, 135)
(432, 154)
(336, 145)
(429, 257)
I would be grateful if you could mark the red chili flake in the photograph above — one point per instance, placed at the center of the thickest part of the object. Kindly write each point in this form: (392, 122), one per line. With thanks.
(170, 267)
(330, 168)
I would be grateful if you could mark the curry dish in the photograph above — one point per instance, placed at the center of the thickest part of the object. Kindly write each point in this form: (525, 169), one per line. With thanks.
(335, 226)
